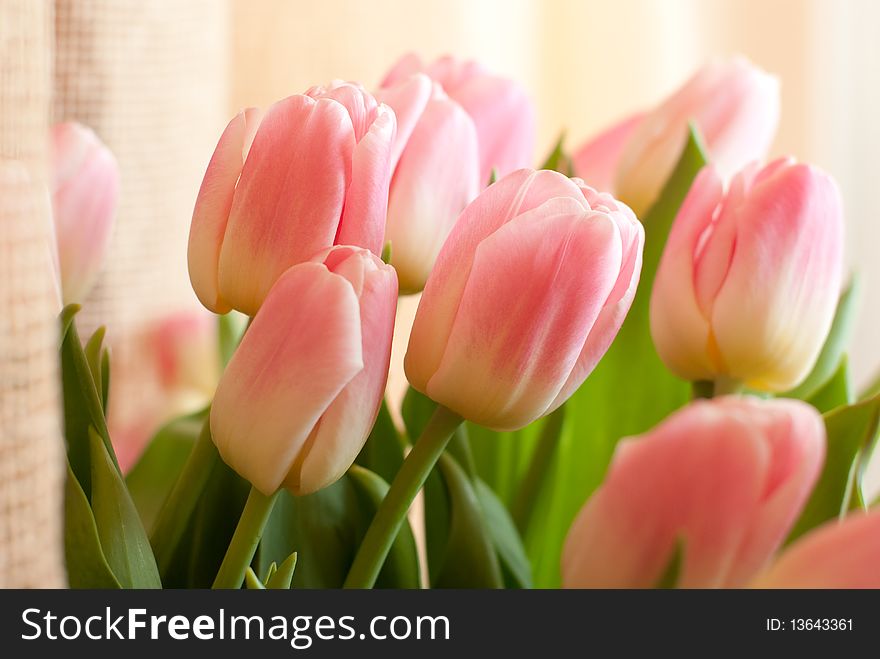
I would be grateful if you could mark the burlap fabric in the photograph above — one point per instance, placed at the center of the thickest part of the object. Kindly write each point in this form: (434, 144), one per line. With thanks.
(31, 447)
(151, 79)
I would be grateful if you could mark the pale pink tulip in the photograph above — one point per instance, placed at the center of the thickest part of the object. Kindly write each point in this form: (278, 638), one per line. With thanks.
(84, 182)
(313, 172)
(501, 109)
(526, 295)
(300, 395)
(735, 108)
(596, 160)
(435, 177)
(748, 282)
(715, 487)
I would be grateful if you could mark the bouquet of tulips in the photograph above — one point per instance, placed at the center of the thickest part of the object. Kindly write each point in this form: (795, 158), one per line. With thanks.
(627, 368)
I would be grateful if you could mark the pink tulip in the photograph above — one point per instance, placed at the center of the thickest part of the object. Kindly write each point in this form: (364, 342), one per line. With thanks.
(526, 295)
(596, 161)
(312, 173)
(735, 107)
(300, 395)
(501, 109)
(167, 368)
(719, 482)
(84, 182)
(434, 178)
(747, 285)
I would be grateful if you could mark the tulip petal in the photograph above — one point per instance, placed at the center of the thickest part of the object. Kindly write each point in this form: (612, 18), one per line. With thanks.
(836, 555)
(775, 307)
(366, 201)
(596, 161)
(505, 121)
(408, 100)
(430, 189)
(290, 196)
(535, 290)
(680, 332)
(723, 478)
(213, 204)
(302, 349)
(344, 427)
(403, 69)
(614, 311)
(516, 193)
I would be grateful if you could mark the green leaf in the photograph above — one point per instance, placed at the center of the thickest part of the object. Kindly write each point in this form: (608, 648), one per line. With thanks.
(65, 318)
(469, 559)
(82, 408)
(852, 430)
(386, 252)
(383, 450)
(512, 556)
(558, 160)
(672, 572)
(273, 568)
(120, 530)
(94, 357)
(326, 528)
(105, 379)
(252, 581)
(835, 392)
(158, 468)
(629, 392)
(282, 577)
(828, 362)
(539, 465)
(86, 564)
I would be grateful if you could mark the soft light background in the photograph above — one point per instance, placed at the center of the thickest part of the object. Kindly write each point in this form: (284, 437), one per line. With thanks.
(587, 62)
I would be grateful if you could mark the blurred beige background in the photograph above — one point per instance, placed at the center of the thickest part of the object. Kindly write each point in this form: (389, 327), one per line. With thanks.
(588, 62)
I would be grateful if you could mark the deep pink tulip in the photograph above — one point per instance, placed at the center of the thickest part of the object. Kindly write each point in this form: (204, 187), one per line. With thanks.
(435, 176)
(749, 279)
(526, 295)
(84, 182)
(312, 173)
(719, 483)
(299, 397)
(735, 107)
(501, 109)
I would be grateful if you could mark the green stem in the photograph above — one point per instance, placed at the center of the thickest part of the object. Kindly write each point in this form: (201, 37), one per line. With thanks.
(244, 542)
(702, 389)
(392, 511)
(177, 510)
(726, 386)
(524, 503)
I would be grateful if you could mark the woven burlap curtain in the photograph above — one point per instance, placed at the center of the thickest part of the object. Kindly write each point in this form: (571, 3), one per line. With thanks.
(151, 79)
(31, 448)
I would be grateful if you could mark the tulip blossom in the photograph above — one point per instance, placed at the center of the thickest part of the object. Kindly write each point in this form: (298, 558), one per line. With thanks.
(597, 159)
(300, 395)
(735, 108)
(713, 491)
(312, 172)
(84, 182)
(165, 369)
(435, 175)
(526, 295)
(501, 109)
(749, 279)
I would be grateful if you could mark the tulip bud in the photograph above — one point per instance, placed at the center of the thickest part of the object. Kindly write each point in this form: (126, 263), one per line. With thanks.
(501, 109)
(84, 182)
(436, 175)
(526, 295)
(719, 482)
(749, 279)
(735, 107)
(312, 173)
(300, 395)
(596, 160)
